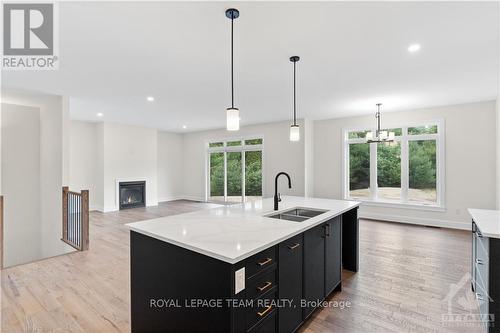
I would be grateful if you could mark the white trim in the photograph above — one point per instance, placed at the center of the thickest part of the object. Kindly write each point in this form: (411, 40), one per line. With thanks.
(192, 198)
(181, 197)
(243, 175)
(400, 205)
(416, 220)
(109, 209)
(166, 199)
(225, 175)
(373, 148)
(405, 166)
(97, 208)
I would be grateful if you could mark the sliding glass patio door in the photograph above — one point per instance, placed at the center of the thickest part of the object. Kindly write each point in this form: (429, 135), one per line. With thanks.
(234, 170)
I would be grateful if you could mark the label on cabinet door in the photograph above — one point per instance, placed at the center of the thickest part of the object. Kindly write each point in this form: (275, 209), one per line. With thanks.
(239, 280)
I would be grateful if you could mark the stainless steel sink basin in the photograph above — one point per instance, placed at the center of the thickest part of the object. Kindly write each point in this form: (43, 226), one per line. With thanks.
(297, 214)
(294, 218)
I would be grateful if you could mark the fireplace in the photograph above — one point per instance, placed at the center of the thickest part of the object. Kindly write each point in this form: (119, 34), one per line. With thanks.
(132, 194)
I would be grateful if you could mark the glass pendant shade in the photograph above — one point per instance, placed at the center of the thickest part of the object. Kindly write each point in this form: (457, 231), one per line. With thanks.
(232, 119)
(294, 133)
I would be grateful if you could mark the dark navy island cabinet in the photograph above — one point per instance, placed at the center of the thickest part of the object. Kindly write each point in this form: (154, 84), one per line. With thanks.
(305, 267)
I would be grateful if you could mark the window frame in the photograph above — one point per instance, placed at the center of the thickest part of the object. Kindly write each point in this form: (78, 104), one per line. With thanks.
(227, 149)
(404, 140)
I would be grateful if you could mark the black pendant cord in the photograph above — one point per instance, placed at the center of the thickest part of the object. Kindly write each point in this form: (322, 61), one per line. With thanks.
(232, 63)
(294, 97)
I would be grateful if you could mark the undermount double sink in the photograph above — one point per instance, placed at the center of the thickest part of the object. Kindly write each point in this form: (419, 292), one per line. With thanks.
(297, 214)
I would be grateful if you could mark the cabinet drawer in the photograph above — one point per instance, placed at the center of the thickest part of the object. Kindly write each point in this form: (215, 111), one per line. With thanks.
(262, 308)
(291, 246)
(268, 325)
(261, 283)
(483, 301)
(261, 261)
(483, 247)
(482, 274)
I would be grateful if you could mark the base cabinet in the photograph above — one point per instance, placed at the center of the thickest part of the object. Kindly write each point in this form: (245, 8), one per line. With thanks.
(322, 262)
(314, 268)
(290, 283)
(333, 254)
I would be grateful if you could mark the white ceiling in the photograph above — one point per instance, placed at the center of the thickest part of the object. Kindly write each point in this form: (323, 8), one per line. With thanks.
(114, 54)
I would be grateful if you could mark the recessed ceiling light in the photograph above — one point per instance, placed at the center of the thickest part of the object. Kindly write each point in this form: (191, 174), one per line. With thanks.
(150, 98)
(184, 126)
(100, 114)
(413, 48)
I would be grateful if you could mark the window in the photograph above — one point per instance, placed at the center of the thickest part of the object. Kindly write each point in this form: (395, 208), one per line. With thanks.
(359, 170)
(234, 170)
(408, 171)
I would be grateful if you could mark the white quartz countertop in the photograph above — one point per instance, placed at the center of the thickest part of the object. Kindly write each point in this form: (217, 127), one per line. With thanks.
(488, 221)
(236, 232)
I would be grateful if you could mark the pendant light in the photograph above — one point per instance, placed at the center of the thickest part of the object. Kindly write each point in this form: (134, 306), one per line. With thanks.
(379, 136)
(232, 113)
(294, 129)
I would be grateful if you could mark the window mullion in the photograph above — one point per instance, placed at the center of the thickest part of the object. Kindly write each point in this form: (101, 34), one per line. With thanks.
(373, 171)
(405, 176)
(243, 176)
(225, 176)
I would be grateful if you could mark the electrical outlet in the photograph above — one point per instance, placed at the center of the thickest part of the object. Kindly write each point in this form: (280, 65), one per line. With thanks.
(239, 280)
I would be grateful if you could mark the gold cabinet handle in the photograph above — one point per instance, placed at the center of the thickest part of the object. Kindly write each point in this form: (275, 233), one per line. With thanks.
(265, 286)
(294, 246)
(263, 313)
(265, 262)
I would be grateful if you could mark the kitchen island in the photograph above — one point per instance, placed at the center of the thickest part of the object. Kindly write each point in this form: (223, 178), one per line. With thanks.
(240, 268)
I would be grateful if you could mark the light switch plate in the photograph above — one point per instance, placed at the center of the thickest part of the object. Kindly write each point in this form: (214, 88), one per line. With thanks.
(239, 280)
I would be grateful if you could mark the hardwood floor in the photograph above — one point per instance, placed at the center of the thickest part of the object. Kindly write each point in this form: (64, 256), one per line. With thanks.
(405, 274)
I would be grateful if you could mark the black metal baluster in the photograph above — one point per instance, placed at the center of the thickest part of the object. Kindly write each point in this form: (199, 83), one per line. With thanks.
(78, 233)
(72, 218)
(70, 211)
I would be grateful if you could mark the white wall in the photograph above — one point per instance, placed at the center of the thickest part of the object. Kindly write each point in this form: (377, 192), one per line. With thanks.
(101, 153)
(170, 166)
(83, 161)
(50, 168)
(470, 161)
(51, 174)
(279, 155)
(21, 183)
(99, 185)
(130, 153)
(309, 158)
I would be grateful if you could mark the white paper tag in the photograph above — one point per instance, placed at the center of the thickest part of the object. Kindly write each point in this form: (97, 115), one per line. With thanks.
(239, 280)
